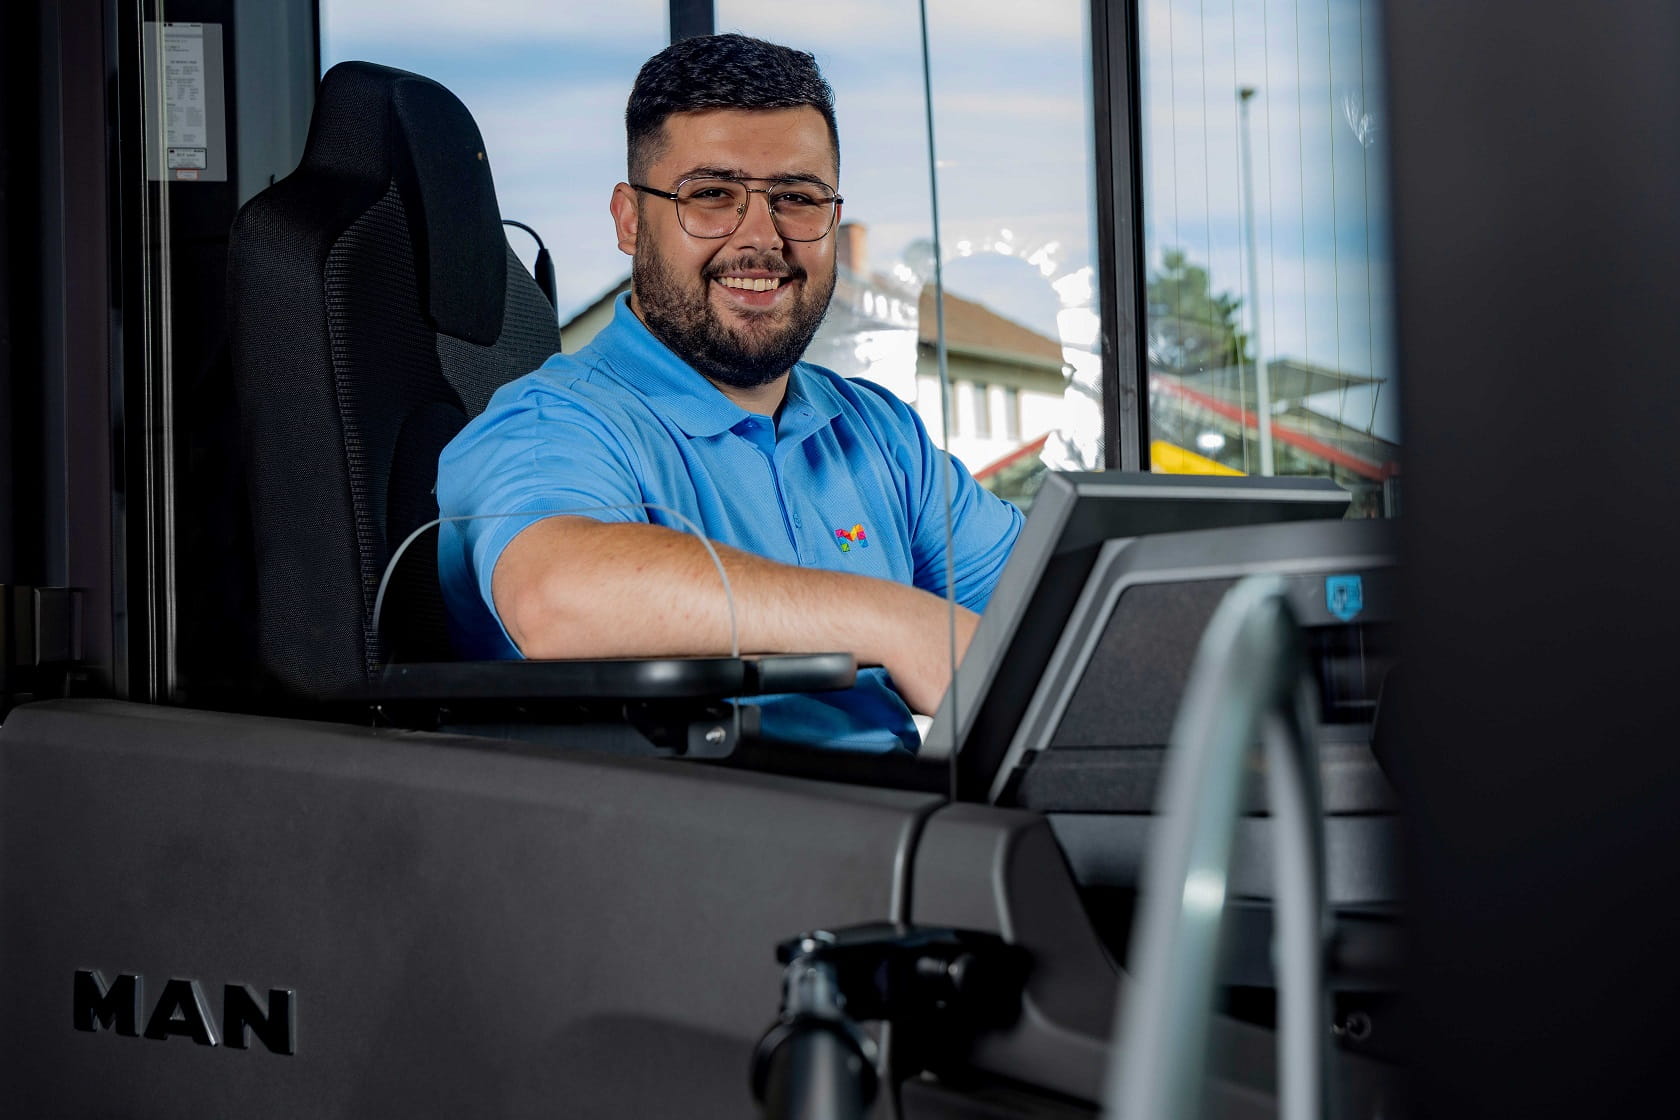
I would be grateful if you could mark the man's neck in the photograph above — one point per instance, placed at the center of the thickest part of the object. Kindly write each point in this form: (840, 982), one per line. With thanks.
(766, 400)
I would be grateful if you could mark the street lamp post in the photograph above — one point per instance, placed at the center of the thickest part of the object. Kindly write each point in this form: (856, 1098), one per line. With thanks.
(1262, 381)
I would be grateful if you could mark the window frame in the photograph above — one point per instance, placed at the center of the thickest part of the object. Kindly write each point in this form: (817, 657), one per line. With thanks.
(1115, 67)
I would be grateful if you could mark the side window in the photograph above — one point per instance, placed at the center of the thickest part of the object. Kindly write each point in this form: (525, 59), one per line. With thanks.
(1266, 244)
(547, 85)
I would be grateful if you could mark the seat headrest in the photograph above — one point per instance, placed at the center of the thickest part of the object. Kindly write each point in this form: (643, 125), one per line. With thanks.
(378, 124)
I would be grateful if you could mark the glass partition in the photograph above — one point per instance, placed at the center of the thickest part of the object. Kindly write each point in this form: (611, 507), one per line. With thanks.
(1012, 135)
(1013, 132)
(872, 58)
(1266, 244)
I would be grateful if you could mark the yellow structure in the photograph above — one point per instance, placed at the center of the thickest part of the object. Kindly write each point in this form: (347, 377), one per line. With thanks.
(1169, 458)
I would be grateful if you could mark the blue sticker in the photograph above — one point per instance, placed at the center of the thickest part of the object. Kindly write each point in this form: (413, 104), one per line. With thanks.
(1344, 596)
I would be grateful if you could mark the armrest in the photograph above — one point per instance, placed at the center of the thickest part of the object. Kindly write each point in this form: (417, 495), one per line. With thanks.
(799, 672)
(616, 679)
(675, 704)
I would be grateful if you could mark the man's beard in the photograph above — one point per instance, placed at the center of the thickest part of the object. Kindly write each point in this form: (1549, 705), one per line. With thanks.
(745, 356)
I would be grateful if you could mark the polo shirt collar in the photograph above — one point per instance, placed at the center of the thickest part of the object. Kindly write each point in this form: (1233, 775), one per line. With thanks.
(672, 386)
(811, 404)
(687, 399)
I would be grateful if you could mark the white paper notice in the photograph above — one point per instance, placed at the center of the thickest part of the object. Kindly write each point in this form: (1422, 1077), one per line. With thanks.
(186, 127)
(186, 109)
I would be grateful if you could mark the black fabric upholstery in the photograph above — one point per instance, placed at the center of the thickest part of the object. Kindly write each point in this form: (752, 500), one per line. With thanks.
(375, 306)
(457, 228)
(475, 372)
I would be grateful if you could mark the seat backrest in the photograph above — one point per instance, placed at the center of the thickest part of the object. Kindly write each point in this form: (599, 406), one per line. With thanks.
(374, 307)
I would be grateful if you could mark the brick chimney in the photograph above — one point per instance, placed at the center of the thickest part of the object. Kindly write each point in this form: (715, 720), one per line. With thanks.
(852, 247)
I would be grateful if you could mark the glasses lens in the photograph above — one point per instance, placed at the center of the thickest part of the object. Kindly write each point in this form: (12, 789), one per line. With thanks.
(803, 210)
(714, 208)
(711, 207)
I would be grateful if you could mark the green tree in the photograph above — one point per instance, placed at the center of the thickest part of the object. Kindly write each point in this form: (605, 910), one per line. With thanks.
(1191, 329)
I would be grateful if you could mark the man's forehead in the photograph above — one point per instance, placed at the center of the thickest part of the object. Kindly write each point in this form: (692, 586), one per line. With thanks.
(791, 143)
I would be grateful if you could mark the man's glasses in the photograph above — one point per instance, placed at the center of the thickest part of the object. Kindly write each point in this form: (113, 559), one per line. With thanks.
(711, 207)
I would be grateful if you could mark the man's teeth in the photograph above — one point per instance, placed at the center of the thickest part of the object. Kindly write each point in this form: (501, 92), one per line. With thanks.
(761, 284)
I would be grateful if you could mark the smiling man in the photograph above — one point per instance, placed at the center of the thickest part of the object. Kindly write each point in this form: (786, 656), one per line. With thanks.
(691, 413)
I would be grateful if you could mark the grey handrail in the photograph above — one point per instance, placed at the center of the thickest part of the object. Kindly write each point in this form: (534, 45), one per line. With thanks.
(1247, 682)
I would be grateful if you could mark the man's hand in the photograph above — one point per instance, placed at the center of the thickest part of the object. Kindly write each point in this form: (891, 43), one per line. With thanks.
(917, 652)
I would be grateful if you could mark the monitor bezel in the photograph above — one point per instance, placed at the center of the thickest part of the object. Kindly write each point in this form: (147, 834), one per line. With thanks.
(1072, 516)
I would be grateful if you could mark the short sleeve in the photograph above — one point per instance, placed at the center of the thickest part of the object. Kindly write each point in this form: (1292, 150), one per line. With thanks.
(982, 531)
(982, 526)
(541, 448)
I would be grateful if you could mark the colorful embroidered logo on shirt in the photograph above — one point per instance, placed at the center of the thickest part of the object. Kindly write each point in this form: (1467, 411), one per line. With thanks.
(846, 538)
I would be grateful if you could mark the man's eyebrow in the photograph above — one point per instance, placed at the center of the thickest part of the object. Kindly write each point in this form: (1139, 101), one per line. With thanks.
(804, 177)
(710, 171)
(741, 173)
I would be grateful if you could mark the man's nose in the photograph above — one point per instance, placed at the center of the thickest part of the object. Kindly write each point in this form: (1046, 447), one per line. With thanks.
(758, 225)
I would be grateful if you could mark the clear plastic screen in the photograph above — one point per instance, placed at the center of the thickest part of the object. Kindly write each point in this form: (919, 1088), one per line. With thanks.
(965, 163)
(727, 640)
(421, 545)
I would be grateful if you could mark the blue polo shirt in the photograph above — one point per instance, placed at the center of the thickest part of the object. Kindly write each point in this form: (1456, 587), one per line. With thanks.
(845, 479)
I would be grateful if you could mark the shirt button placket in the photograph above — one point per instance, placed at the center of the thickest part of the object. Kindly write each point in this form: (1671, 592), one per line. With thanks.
(796, 523)
(798, 537)
(790, 514)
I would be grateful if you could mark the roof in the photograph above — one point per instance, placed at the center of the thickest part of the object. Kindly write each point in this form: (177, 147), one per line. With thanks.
(598, 302)
(1290, 379)
(976, 328)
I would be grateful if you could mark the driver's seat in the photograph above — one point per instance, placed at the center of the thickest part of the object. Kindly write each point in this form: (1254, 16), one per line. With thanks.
(374, 306)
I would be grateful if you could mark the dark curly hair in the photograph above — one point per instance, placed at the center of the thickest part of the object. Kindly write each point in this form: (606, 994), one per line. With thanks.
(720, 72)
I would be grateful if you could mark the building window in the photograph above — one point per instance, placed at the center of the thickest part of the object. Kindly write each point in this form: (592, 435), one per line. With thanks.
(982, 396)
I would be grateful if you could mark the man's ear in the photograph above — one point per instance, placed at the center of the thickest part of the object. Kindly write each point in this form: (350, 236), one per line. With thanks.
(626, 217)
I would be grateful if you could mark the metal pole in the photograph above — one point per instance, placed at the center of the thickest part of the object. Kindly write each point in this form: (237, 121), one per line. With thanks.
(1262, 381)
(1246, 681)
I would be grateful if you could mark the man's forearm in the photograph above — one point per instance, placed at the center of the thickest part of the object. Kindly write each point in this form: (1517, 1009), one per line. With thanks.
(573, 587)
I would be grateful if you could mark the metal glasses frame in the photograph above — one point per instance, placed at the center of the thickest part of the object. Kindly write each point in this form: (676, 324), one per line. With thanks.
(741, 211)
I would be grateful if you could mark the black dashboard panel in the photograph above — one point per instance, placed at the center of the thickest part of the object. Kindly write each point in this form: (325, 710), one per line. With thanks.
(467, 928)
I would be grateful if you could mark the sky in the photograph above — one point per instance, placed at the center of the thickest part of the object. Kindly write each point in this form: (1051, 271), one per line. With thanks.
(1011, 126)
